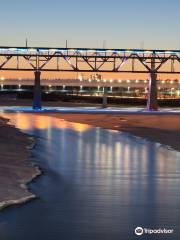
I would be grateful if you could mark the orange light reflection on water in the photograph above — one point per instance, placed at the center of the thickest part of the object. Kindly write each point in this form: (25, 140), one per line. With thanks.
(27, 122)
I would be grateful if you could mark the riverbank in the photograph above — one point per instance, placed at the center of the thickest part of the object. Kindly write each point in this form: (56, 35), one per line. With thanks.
(15, 169)
(164, 129)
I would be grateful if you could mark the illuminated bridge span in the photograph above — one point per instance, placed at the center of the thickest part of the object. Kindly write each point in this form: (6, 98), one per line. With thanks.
(91, 60)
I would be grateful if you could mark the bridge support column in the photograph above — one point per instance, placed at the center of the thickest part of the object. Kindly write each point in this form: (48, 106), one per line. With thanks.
(104, 104)
(37, 90)
(152, 104)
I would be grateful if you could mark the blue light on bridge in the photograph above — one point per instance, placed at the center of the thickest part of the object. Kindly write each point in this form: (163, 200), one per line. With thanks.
(32, 50)
(82, 50)
(54, 50)
(101, 51)
(22, 50)
(13, 49)
(148, 52)
(172, 52)
(3, 49)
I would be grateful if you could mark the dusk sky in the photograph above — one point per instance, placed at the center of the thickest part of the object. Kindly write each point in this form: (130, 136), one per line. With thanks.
(121, 24)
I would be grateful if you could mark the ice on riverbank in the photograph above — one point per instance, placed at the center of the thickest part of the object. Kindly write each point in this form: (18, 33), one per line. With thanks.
(15, 169)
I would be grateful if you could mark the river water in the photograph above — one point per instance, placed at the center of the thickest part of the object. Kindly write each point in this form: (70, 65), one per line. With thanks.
(96, 185)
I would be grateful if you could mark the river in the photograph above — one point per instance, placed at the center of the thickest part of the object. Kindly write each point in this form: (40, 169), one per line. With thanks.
(96, 185)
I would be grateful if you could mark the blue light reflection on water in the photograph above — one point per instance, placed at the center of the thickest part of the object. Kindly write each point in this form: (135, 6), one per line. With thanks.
(97, 184)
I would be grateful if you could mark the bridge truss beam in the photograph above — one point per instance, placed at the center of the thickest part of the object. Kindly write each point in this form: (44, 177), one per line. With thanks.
(89, 60)
(38, 60)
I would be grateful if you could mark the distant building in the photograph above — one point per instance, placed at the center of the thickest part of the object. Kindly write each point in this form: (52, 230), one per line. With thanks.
(96, 77)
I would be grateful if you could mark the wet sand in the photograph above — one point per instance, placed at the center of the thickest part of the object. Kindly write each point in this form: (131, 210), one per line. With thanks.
(15, 168)
(159, 128)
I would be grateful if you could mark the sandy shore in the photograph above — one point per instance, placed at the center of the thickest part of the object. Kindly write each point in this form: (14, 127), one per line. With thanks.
(15, 169)
(159, 128)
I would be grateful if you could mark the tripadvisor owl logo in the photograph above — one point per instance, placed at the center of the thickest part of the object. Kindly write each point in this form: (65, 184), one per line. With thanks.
(139, 231)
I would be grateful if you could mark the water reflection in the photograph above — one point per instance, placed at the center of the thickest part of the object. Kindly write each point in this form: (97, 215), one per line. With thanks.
(28, 122)
(98, 184)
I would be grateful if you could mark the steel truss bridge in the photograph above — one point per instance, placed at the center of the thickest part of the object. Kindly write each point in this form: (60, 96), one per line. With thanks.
(39, 59)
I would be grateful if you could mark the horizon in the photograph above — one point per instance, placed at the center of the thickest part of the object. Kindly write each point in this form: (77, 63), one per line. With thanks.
(95, 24)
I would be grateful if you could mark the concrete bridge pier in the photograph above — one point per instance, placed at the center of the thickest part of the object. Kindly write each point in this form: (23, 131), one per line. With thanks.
(37, 90)
(152, 103)
(104, 103)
